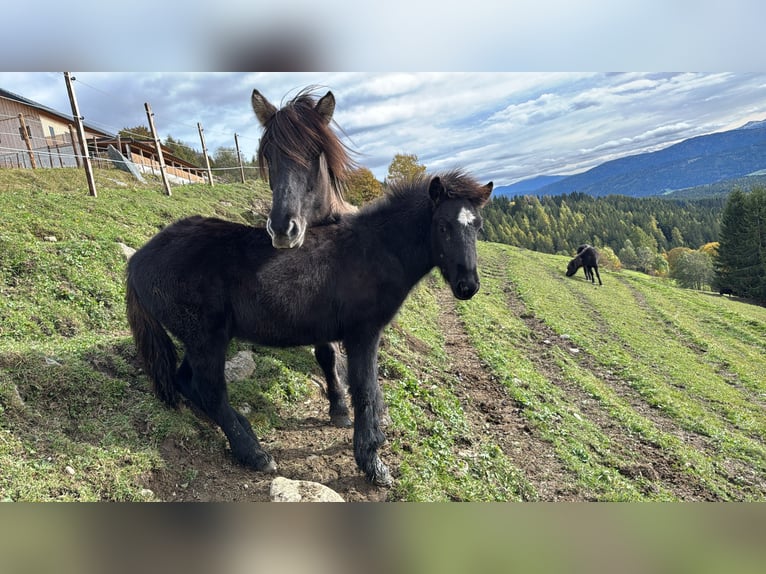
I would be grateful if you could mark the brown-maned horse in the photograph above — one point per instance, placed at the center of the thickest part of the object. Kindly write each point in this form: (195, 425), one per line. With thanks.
(307, 166)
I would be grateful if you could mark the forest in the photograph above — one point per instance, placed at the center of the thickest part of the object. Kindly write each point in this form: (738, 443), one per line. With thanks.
(558, 224)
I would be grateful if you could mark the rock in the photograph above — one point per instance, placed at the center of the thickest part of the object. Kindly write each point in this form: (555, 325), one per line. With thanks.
(127, 251)
(50, 238)
(286, 490)
(15, 399)
(69, 470)
(239, 367)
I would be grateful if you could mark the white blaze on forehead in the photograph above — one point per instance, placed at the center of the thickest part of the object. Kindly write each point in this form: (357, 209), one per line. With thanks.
(465, 217)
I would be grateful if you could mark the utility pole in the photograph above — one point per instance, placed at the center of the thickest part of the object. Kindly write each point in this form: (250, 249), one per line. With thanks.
(204, 153)
(158, 146)
(239, 159)
(80, 135)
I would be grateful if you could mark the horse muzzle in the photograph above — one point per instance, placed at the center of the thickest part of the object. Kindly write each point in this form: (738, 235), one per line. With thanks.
(465, 288)
(290, 237)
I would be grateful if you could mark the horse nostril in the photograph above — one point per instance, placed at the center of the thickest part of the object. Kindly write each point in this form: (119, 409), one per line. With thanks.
(466, 289)
(293, 229)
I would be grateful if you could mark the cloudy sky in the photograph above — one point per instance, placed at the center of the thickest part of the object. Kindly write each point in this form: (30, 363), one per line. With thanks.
(500, 126)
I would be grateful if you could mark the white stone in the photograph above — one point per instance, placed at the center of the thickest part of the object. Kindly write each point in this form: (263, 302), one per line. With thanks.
(286, 490)
(127, 251)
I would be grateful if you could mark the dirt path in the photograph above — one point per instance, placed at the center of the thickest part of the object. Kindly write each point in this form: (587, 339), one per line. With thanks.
(491, 411)
(655, 464)
(305, 447)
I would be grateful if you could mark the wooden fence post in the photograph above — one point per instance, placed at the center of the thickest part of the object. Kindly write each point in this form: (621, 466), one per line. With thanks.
(239, 159)
(204, 153)
(158, 146)
(25, 135)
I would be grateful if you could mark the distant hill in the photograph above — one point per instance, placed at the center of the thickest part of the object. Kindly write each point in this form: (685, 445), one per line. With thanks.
(527, 186)
(697, 161)
(719, 188)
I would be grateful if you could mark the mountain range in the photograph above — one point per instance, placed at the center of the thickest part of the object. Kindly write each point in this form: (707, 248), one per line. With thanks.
(697, 161)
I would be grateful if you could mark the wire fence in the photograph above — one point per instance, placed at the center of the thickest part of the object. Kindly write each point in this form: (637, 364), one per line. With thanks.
(57, 150)
(54, 150)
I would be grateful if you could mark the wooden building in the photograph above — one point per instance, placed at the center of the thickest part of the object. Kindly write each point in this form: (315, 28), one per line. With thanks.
(49, 136)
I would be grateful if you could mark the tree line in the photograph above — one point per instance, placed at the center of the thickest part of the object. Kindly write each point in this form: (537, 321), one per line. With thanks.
(558, 224)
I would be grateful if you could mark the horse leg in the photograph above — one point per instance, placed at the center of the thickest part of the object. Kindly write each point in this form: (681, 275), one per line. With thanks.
(184, 377)
(183, 380)
(598, 275)
(368, 405)
(207, 391)
(328, 356)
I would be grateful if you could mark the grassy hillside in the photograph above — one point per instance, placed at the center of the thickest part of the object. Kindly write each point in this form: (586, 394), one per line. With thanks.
(540, 388)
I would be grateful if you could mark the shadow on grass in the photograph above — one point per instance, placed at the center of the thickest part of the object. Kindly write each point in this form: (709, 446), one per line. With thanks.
(84, 424)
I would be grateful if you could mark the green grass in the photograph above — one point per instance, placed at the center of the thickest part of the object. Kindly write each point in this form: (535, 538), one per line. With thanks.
(77, 419)
(650, 335)
(432, 431)
(660, 370)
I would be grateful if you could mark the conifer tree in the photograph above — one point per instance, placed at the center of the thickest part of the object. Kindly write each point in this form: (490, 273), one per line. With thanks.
(741, 261)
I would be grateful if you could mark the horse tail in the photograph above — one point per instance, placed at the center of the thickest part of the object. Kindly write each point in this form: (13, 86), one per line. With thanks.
(154, 347)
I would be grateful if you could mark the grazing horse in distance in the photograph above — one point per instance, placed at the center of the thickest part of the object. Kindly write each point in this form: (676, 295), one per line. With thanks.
(206, 281)
(587, 258)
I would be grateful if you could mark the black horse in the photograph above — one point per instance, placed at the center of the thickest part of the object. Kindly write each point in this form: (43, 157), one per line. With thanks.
(587, 258)
(307, 166)
(206, 281)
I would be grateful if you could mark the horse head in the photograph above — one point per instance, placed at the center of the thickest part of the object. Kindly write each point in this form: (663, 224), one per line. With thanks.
(304, 161)
(455, 225)
(573, 266)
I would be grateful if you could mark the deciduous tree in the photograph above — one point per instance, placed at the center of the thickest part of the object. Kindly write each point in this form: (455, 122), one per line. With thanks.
(362, 186)
(404, 167)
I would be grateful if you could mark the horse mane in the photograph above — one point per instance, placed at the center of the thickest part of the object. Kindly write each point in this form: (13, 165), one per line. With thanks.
(299, 132)
(458, 183)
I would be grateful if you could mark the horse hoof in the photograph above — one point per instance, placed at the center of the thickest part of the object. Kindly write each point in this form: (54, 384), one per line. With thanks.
(341, 421)
(270, 468)
(380, 475)
(260, 461)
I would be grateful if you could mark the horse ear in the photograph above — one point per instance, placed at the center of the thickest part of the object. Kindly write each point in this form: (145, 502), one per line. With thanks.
(436, 189)
(264, 111)
(485, 192)
(326, 107)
